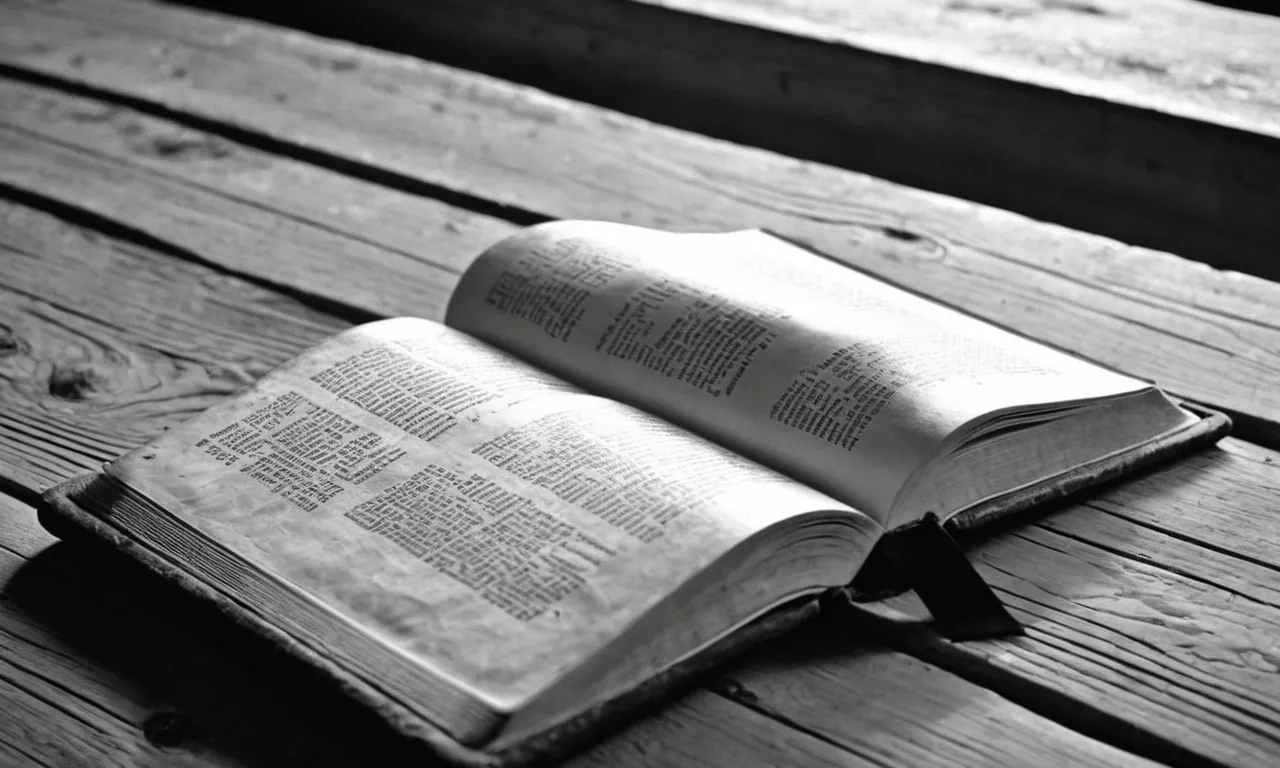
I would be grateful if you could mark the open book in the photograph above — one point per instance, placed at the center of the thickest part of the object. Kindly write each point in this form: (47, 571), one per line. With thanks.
(621, 448)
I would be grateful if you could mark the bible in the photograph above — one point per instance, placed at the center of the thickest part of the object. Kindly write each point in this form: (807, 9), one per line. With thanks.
(624, 455)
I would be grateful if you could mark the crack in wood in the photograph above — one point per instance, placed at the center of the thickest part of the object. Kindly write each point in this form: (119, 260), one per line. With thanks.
(734, 691)
(1186, 573)
(1077, 714)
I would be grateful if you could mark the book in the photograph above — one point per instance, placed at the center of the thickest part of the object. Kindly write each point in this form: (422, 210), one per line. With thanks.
(625, 455)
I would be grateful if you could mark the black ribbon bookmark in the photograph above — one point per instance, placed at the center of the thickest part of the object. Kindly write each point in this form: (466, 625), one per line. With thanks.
(962, 604)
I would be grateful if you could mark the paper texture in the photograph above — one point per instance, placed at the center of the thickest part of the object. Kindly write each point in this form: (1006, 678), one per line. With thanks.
(834, 378)
(484, 518)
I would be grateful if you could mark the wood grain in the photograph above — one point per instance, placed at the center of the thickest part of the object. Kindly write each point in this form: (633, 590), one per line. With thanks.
(1115, 605)
(1243, 528)
(902, 712)
(285, 222)
(151, 313)
(1149, 616)
(1177, 654)
(105, 344)
(1205, 334)
(1184, 522)
(1153, 121)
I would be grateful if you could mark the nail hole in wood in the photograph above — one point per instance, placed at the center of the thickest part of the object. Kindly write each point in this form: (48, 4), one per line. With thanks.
(168, 729)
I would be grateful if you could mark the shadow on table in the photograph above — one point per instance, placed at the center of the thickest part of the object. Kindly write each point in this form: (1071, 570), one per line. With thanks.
(200, 688)
(171, 670)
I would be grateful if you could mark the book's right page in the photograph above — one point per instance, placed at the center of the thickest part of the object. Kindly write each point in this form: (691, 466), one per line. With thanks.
(829, 375)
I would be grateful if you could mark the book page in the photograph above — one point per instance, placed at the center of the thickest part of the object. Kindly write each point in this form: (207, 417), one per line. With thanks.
(491, 521)
(830, 376)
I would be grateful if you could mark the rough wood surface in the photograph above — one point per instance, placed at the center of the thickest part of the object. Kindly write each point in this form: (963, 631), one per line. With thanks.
(1202, 333)
(1172, 601)
(1151, 624)
(154, 319)
(180, 335)
(1152, 610)
(902, 712)
(103, 343)
(1145, 608)
(371, 247)
(1153, 121)
(1185, 57)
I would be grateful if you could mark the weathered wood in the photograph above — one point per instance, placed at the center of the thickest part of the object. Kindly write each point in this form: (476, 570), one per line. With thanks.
(1152, 613)
(1205, 334)
(170, 312)
(285, 222)
(152, 312)
(104, 344)
(1182, 658)
(1181, 702)
(1144, 610)
(903, 713)
(1151, 121)
(1233, 526)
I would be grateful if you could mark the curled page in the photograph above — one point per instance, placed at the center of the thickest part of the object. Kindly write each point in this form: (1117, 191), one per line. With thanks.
(834, 378)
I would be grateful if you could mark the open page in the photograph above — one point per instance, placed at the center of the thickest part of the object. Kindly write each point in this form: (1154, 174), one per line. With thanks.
(493, 523)
(831, 376)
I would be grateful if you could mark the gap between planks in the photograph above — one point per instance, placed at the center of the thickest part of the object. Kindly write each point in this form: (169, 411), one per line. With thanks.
(1151, 121)
(1202, 333)
(149, 296)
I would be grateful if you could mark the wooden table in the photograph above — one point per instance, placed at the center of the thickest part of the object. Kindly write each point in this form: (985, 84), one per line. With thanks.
(187, 199)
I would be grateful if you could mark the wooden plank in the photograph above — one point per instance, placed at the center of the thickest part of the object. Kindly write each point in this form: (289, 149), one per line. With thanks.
(1138, 655)
(1238, 526)
(1181, 656)
(1204, 334)
(1142, 608)
(1220, 499)
(1214, 493)
(216, 189)
(903, 713)
(107, 343)
(1153, 121)
(247, 211)
(165, 311)
(88, 655)
(173, 311)
(91, 653)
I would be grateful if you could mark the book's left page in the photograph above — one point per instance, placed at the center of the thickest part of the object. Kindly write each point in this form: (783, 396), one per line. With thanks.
(487, 522)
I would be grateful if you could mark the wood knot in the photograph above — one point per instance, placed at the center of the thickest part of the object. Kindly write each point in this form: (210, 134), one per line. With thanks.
(901, 234)
(76, 382)
(188, 147)
(334, 64)
(169, 729)
(10, 344)
(736, 691)
(907, 246)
